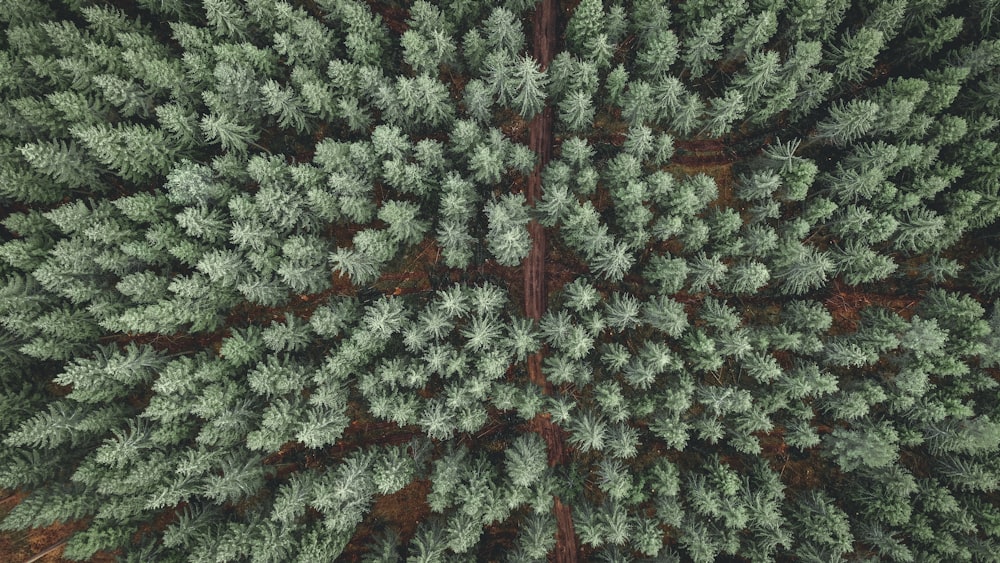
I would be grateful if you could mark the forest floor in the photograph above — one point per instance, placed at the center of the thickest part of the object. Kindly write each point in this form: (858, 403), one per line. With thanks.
(38, 545)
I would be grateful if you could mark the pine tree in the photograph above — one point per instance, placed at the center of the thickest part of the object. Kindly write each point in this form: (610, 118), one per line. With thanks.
(227, 131)
(285, 105)
(584, 26)
(529, 83)
(848, 122)
(668, 273)
(747, 277)
(855, 54)
(429, 44)
(135, 152)
(705, 271)
(760, 76)
(860, 264)
(503, 31)
(588, 431)
(824, 527)
(63, 162)
(701, 47)
(526, 460)
(657, 55)
(801, 268)
(666, 315)
(867, 445)
(509, 239)
(754, 33)
(934, 35)
(613, 260)
(724, 111)
(920, 231)
(576, 111)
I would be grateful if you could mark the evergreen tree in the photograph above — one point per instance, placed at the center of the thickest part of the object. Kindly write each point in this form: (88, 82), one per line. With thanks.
(760, 76)
(824, 528)
(526, 460)
(855, 54)
(509, 238)
(135, 152)
(801, 267)
(724, 111)
(754, 33)
(576, 111)
(701, 46)
(860, 264)
(657, 55)
(868, 445)
(585, 26)
(848, 122)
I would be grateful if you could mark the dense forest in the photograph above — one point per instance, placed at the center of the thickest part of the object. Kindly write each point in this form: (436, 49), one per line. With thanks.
(461, 280)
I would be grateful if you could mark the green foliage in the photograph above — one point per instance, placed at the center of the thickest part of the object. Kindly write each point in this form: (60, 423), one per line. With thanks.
(588, 432)
(584, 26)
(867, 445)
(285, 105)
(366, 37)
(64, 163)
(50, 503)
(666, 315)
(229, 133)
(701, 47)
(526, 460)
(509, 239)
(261, 263)
(576, 111)
(855, 54)
(135, 152)
(801, 268)
(824, 528)
(110, 374)
(528, 84)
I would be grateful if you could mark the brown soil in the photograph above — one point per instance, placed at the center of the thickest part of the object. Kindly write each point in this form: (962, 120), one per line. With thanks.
(43, 545)
(541, 141)
(702, 152)
(846, 303)
(401, 511)
(566, 541)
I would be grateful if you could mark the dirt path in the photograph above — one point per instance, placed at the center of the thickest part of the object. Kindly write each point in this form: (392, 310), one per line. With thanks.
(541, 140)
(702, 153)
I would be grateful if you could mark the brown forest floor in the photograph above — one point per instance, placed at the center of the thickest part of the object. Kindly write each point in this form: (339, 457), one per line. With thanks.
(42, 545)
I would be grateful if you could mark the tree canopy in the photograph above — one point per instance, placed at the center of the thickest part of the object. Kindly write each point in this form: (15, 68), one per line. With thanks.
(443, 280)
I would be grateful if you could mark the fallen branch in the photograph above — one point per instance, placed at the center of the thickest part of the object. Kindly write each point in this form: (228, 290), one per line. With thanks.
(47, 551)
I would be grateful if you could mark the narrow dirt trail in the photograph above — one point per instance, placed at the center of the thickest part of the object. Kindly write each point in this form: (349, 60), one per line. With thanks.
(540, 141)
(702, 153)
